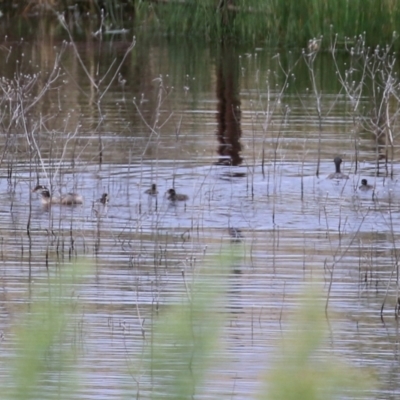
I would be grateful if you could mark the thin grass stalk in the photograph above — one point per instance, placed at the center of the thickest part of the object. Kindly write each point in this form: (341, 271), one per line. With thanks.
(310, 63)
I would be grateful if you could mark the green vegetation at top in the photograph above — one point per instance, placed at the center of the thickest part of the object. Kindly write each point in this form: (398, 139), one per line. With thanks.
(280, 22)
(277, 22)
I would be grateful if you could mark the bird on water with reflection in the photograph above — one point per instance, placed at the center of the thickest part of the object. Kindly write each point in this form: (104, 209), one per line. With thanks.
(152, 191)
(365, 186)
(173, 196)
(104, 199)
(337, 174)
(47, 199)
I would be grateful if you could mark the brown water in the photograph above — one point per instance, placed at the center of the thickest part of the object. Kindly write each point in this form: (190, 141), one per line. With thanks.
(172, 118)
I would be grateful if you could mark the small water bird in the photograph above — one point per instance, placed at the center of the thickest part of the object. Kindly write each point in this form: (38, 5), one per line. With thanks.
(337, 174)
(364, 186)
(100, 206)
(173, 196)
(67, 200)
(104, 199)
(152, 191)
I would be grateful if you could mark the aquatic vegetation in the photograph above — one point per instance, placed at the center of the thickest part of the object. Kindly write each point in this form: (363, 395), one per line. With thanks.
(181, 354)
(244, 132)
(47, 336)
(288, 23)
(300, 371)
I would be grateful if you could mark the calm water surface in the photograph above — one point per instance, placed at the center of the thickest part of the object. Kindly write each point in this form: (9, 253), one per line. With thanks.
(171, 117)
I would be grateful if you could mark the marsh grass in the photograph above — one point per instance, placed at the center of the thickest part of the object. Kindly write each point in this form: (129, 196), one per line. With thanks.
(301, 370)
(372, 75)
(288, 22)
(187, 335)
(44, 339)
(183, 346)
(182, 342)
(186, 338)
(365, 77)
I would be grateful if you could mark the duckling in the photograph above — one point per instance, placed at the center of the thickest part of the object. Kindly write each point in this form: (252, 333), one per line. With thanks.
(104, 199)
(152, 191)
(173, 196)
(337, 174)
(100, 206)
(47, 199)
(364, 185)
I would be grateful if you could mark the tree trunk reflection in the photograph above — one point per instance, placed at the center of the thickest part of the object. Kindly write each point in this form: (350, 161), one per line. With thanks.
(228, 116)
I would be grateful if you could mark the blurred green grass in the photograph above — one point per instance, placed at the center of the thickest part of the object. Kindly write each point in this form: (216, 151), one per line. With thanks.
(184, 345)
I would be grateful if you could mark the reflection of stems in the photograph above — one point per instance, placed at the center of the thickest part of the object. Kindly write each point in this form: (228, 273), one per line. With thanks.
(186, 287)
(342, 255)
(16, 92)
(262, 162)
(153, 129)
(372, 69)
(99, 94)
(283, 303)
(302, 179)
(61, 19)
(355, 151)
(254, 160)
(396, 264)
(309, 60)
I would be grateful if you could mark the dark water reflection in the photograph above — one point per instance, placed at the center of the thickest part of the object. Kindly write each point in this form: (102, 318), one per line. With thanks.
(174, 114)
(228, 115)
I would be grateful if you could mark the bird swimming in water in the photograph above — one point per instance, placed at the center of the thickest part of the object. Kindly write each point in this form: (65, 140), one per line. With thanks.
(152, 191)
(67, 200)
(173, 196)
(104, 199)
(365, 186)
(338, 174)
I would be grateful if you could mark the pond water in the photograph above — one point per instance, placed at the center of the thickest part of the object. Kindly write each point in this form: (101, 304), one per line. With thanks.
(237, 130)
